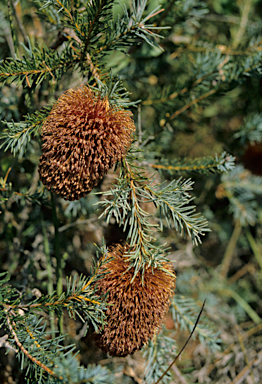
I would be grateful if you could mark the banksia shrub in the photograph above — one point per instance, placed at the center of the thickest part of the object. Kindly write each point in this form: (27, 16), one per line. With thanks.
(83, 137)
(136, 308)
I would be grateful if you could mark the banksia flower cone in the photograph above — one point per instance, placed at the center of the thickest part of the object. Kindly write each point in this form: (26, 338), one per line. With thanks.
(136, 309)
(83, 137)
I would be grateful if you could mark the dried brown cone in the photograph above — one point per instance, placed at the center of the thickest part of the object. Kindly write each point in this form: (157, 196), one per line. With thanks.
(136, 309)
(83, 137)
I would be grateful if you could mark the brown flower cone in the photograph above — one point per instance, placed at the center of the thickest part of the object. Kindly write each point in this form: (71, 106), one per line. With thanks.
(137, 309)
(83, 137)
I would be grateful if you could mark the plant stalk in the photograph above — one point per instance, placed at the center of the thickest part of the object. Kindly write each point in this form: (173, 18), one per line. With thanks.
(255, 248)
(225, 265)
(247, 308)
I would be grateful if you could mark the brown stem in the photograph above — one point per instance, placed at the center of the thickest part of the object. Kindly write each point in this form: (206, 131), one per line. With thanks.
(193, 102)
(243, 22)
(230, 250)
(184, 346)
(33, 359)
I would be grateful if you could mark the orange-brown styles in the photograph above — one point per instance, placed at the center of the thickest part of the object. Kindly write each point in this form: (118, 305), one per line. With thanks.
(137, 308)
(83, 137)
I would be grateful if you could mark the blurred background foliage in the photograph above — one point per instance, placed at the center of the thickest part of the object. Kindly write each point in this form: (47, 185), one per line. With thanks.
(199, 97)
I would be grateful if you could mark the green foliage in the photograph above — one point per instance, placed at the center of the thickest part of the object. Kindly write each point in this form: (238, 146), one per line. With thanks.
(115, 92)
(159, 353)
(191, 73)
(39, 64)
(49, 360)
(7, 191)
(87, 25)
(173, 201)
(17, 136)
(93, 374)
(251, 131)
(243, 191)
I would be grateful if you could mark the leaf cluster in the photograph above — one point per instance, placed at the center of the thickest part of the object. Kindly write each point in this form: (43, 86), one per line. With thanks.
(134, 190)
(204, 165)
(244, 193)
(159, 353)
(17, 136)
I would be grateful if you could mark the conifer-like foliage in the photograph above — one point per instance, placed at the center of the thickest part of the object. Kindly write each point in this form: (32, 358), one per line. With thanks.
(146, 116)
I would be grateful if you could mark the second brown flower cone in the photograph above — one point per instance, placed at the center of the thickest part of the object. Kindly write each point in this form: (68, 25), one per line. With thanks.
(136, 309)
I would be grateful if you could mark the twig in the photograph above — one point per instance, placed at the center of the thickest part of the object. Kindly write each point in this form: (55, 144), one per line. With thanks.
(247, 308)
(64, 301)
(27, 354)
(244, 352)
(243, 22)
(182, 168)
(247, 268)
(226, 19)
(250, 332)
(193, 102)
(242, 375)
(225, 50)
(225, 265)
(36, 71)
(254, 248)
(184, 346)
